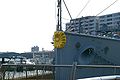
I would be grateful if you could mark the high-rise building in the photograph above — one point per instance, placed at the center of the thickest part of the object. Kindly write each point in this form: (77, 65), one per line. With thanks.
(74, 25)
(86, 25)
(93, 24)
(109, 22)
(35, 49)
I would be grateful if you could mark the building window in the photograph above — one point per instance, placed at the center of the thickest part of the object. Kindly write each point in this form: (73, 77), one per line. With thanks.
(102, 16)
(109, 19)
(86, 17)
(86, 28)
(91, 20)
(86, 25)
(101, 20)
(109, 15)
(101, 24)
(91, 24)
(91, 28)
(109, 23)
(81, 23)
(116, 14)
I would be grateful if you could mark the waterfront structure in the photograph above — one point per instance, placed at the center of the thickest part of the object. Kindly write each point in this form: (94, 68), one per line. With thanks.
(94, 24)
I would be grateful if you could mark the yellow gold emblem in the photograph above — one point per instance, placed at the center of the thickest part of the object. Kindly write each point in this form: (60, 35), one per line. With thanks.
(59, 39)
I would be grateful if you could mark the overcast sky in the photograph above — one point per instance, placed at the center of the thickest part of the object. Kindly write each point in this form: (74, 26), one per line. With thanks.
(27, 23)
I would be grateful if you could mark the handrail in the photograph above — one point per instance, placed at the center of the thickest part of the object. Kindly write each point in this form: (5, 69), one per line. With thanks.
(51, 65)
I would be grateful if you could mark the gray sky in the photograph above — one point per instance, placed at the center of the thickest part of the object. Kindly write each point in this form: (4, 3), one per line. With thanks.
(27, 23)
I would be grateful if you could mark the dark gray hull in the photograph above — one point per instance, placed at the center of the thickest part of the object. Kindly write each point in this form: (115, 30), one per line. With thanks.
(87, 50)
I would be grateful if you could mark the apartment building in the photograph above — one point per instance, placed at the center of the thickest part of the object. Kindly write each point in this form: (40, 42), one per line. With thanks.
(93, 24)
(109, 22)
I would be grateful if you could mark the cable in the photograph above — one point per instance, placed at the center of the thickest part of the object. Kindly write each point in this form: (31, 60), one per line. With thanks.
(67, 9)
(79, 12)
(84, 7)
(107, 7)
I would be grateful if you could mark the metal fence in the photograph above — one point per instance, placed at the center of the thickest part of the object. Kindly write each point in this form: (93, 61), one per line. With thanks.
(26, 72)
(40, 71)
